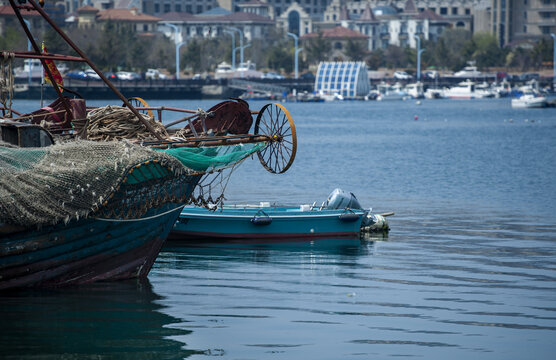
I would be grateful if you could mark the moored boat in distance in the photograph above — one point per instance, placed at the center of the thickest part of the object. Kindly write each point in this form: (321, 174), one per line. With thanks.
(415, 90)
(527, 97)
(468, 72)
(391, 92)
(468, 90)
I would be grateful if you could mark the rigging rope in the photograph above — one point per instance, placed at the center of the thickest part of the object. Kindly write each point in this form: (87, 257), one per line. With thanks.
(7, 81)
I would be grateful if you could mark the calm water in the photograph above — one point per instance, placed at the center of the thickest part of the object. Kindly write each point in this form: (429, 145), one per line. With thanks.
(467, 271)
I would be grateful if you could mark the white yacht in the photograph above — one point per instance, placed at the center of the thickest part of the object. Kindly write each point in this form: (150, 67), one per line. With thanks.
(529, 97)
(247, 70)
(468, 90)
(391, 92)
(415, 90)
(223, 70)
(434, 94)
(468, 72)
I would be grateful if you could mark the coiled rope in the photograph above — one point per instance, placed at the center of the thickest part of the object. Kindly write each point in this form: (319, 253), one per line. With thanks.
(118, 123)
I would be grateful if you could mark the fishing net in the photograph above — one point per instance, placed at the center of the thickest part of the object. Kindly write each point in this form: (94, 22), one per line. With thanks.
(79, 179)
(211, 158)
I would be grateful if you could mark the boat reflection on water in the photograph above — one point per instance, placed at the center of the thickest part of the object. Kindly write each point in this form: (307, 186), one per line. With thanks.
(320, 246)
(117, 320)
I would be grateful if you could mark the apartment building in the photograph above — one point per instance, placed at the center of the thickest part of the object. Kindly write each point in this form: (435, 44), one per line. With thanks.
(518, 21)
(159, 7)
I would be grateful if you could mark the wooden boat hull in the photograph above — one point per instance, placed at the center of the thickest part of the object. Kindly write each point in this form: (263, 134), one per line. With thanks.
(85, 251)
(265, 224)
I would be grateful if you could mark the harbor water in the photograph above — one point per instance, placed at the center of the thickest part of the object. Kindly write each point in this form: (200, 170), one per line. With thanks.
(468, 270)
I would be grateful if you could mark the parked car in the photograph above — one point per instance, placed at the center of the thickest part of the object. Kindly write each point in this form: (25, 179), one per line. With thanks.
(76, 75)
(431, 74)
(128, 75)
(153, 74)
(529, 76)
(401, 75)
(307, 76)
(91, 75)
(273, 76)
(111, 76)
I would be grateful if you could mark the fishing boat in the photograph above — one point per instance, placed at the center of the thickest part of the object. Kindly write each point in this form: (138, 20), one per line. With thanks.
(528, 97)
(340, 216)
(64, 222)
(90, 193)
(468, 90)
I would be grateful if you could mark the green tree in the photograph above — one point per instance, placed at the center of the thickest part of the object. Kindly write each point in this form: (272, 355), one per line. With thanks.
(112, 48)
(395, 57)
(191, 57)
(455, 54)
(280, 57)
(317, 49)
(54, 43)
(542, 52)
(485, 51)
(375, 59)
(356, 50)
(520, 58)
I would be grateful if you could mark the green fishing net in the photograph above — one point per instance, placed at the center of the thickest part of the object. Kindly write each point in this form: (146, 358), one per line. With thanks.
(211, 158)
(76, 179)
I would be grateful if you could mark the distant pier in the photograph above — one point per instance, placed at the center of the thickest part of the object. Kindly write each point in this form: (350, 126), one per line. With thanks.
(159, 89)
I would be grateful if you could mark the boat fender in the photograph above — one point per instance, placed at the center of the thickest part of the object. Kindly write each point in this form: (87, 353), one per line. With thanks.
(261, 218)
(374, 222)
(348, 216)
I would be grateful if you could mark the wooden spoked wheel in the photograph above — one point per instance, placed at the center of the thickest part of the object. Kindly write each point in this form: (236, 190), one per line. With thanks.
(276, 122)
(139, 102)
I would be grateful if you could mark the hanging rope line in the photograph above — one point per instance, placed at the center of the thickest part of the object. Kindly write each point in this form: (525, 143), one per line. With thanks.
(7, 81)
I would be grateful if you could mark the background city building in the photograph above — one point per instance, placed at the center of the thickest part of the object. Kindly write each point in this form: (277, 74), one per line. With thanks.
(381, 22)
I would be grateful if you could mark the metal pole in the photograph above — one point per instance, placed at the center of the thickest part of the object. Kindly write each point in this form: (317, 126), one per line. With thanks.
(419, 52)
(82, 54)
(240, 43)
(178, 45)
(233, 34)
(296, 52)
(29, 61)
(554, 64)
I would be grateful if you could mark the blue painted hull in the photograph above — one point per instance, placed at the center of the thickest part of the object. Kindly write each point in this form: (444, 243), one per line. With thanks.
(271, 224)
(85, 251)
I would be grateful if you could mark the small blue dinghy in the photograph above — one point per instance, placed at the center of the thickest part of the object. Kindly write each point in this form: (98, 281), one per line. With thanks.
(339, 217)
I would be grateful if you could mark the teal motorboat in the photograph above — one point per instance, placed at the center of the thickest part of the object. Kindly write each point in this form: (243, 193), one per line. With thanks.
(339, 217)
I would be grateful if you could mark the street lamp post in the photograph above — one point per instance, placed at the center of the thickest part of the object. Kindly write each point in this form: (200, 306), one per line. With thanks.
(241, 47)
(419, 52)
(554, 64)
(178, 46)
(296, 53)
(233, 34)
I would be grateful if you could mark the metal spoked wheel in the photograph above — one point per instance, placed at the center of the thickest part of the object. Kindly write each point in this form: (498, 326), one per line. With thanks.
(276, 122)
(139, 102)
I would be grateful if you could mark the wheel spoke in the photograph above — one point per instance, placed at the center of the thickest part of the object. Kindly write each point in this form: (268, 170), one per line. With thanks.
(275, 122)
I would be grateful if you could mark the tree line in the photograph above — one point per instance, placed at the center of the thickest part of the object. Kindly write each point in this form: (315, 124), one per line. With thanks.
(115, 47)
